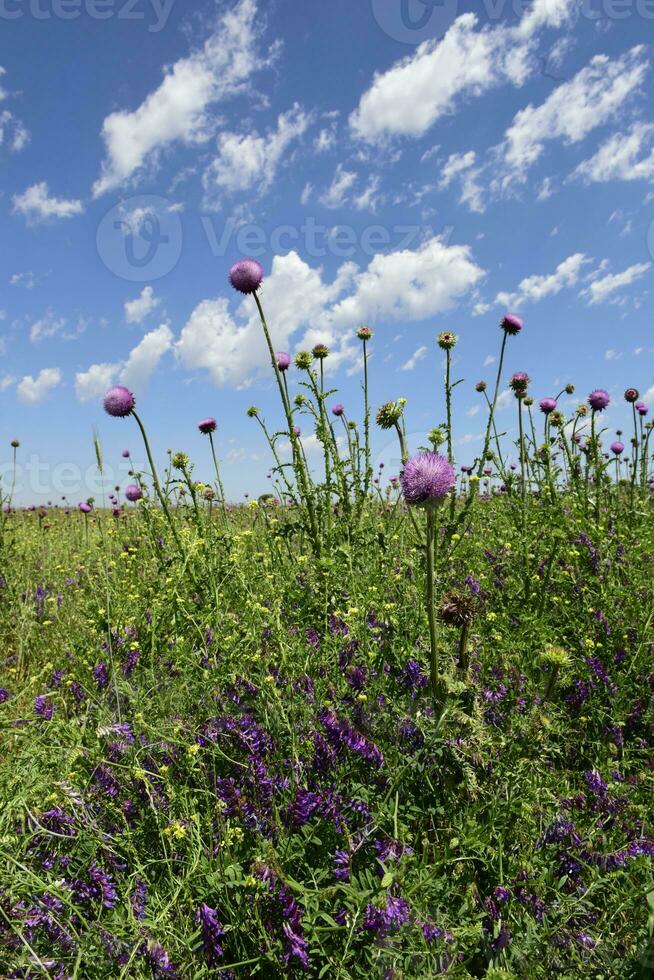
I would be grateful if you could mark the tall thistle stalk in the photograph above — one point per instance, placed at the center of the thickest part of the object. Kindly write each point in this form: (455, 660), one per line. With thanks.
(365, 334)
(246, 277)
(426, 481)
(511, 326)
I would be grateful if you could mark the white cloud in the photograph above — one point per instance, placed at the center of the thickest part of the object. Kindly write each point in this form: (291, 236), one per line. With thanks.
(48, 326)
(489, 359)
(144, 358)
(137, 309)
(505, 399)
(336, 194)
(31, 391)
(590, 99)
(624, 156)
(601, 289)
(461, 167)
(368, 199)
(6, 381)
(456, 164)
(473, 410)
(135, 373)
(248, 160)
(612, 355)
(535, 288)
(469, 60)
(648, 397)
(325, 139)
(13, 134)
(25, 279)
(178, 109)
(37, 205)
(303, 309)
(92, 384)
(415, 358)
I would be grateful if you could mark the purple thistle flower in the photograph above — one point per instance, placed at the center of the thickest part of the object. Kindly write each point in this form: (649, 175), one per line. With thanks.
(519, 383)
(212, 933)
(599, 399)
(246, 276)
(617, 448)
(133, 493)
(207, 426)
(427, 479)
(125, 454)
(547, 405)
(631, 395)
(338, 410)
(283, 360)
(642, 408)
(85, 508)
(511, 324)
(119, 402)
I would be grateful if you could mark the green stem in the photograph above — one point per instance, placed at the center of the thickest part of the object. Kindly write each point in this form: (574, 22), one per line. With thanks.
(436, 689)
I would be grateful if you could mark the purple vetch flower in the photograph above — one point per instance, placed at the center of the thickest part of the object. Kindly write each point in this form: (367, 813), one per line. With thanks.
(119, 402)
(342, 865)
(139, 899)
(133, 493)
(42, 707)
(102, 886)
(547, 405)
(246, 276)
(394, 914)
(511, 324)
(338, 410)
(283, 360)
(427, 479)
(101, 675)
(159, 961)
(4, 695)
(212, 933)
(617, 448)
(599, 399)
(207, 426)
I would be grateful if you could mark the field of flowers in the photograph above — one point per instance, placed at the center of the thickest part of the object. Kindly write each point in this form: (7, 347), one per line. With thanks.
(373, 725)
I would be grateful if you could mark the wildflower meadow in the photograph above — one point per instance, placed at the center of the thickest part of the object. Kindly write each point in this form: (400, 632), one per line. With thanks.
(369, 724)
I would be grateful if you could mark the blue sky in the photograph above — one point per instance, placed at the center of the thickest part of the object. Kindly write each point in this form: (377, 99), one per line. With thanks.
(412, 165)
